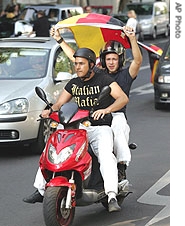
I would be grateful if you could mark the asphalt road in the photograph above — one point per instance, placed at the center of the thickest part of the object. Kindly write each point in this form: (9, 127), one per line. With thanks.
(148, 172)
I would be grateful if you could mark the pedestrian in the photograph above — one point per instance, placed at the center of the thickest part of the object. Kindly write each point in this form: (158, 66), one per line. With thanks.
(10, 13)
(104, 11)
(88, 9)
(17, 9)
(41, 26)
(53, 16)
(132, 19)
(131, 22)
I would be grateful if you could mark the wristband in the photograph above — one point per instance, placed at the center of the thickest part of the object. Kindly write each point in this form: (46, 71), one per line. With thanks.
(60, 40)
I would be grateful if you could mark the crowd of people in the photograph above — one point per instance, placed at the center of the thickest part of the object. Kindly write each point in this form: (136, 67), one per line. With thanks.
(11, 11)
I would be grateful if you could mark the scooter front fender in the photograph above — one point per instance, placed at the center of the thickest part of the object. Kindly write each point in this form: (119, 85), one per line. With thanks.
(58, 182)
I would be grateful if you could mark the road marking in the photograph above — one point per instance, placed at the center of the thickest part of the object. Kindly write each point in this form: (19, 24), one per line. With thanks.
(151, 197)
(145, 89)
(144, 67)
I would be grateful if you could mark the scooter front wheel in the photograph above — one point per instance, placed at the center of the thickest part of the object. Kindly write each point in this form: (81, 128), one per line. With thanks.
(55, 213)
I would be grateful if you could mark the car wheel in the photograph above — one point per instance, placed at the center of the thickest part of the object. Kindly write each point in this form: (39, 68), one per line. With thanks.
(166, 34)
(154, 34)
(158, 106)
(44, 133)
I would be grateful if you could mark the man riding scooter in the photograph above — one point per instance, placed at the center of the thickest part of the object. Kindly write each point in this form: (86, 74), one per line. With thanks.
(112, 58)
(125, 78)
(85, 90)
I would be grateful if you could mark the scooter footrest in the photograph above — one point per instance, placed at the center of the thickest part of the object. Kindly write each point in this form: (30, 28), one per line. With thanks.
(123, 185)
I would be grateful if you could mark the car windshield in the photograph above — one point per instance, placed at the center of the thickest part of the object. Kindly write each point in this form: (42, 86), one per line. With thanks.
(143, 9)
(29, 15)
(23, 63)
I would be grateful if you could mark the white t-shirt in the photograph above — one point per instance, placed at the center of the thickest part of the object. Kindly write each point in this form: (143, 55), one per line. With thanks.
(131, 22)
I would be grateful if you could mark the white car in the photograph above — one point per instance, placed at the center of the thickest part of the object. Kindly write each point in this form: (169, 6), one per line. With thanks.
(54, 13)
(24, 64)
(153, 17)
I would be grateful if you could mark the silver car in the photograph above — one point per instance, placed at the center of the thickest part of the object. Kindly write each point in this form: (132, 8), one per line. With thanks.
(24, 64)
(153, 17)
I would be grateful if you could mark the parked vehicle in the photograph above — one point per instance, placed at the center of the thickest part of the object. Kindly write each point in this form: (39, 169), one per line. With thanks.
(162, 79)
(24, 64)
(153, 17)
(54, 13)
(24, 22)
(68, 167)
(121, 16)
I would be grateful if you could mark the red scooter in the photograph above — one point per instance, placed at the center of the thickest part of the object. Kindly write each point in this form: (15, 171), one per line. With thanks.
(71, 172)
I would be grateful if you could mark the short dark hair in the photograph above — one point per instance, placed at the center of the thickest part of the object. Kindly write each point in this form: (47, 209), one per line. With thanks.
(41, 12)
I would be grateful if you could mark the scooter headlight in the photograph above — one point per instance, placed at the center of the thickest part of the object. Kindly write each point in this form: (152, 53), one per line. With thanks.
(62, 156)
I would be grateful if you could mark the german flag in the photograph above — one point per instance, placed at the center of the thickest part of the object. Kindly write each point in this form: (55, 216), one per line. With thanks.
(152, 49)
(94, 30)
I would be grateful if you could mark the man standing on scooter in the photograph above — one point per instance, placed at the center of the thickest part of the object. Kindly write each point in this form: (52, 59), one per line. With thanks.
(87, 86)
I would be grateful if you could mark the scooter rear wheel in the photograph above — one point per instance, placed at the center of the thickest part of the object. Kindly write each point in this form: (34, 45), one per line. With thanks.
(55, 213)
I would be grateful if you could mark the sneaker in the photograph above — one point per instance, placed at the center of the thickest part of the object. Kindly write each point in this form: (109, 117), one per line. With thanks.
(113, 206)
(35, 197)
(121, 171)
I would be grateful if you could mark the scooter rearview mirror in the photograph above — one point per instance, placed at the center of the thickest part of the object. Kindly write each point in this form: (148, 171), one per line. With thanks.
(132, 146)
(40, 92)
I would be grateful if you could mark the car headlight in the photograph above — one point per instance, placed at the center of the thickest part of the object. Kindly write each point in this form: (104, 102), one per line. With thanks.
(56, 158)
(16, 106)
(164, 79)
